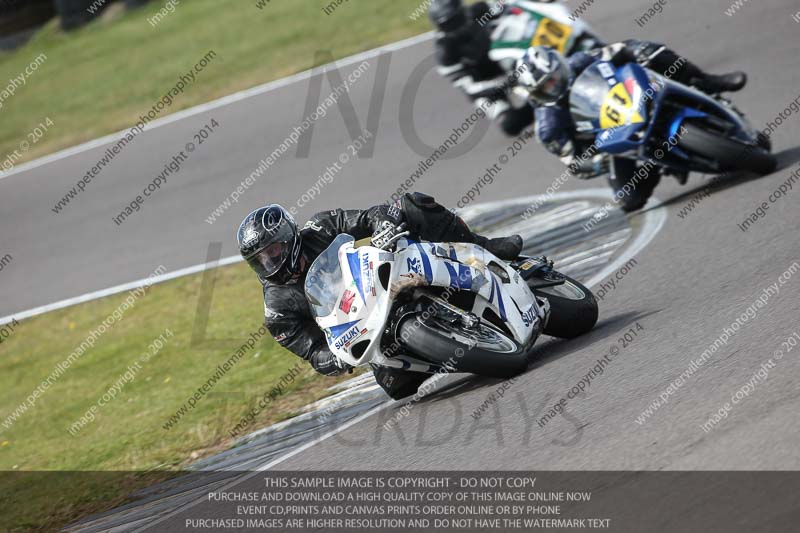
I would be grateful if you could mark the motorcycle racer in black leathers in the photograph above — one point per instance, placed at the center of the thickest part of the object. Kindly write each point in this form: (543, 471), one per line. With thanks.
(281, 253)
(547, 77)
(462, 52)
(463, 41)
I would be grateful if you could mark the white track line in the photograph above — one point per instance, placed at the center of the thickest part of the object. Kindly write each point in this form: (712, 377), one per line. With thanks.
(220, 102)
(652, 223)
(267, 466)
(118, 289)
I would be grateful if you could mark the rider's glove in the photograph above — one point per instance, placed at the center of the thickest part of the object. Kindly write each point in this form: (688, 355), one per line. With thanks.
(328, 364)
(586, 168)
(519, 97)
(619, 54)
(345, 367)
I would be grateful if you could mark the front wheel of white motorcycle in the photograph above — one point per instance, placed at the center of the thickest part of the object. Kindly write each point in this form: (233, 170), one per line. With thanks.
(484, 350)
(573, 308)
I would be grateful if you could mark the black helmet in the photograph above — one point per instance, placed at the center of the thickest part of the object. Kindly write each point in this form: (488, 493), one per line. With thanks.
(544, 73)
(270, 243)
(447, 15)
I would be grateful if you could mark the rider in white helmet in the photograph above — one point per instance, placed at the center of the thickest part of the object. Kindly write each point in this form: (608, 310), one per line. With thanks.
(546, 77)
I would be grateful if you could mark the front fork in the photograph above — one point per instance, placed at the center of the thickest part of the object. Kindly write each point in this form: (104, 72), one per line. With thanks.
(538, 272)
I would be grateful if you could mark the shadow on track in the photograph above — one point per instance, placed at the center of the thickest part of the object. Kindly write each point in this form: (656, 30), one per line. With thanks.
(548, 352)
(786, 159)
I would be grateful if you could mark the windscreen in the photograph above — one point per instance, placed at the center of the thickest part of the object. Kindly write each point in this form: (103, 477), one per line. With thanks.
(588, 93)
(324, 281)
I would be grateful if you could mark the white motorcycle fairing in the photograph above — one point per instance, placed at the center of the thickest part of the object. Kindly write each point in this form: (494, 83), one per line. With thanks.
(351, 291)
(536, 23)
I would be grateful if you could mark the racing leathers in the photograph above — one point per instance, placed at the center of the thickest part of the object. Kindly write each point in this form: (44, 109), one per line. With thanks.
(463, 59)
(556, 130)
(287, 314)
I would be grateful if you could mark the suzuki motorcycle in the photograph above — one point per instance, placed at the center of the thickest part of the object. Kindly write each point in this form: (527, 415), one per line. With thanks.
(428, 306)
(525, 24)
(635, 113)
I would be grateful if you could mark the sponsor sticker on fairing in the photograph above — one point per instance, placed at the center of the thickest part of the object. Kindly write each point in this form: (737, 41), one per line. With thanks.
(528, 316)
(346, 337)
(347, 301)
(349, 337)
(366, 275)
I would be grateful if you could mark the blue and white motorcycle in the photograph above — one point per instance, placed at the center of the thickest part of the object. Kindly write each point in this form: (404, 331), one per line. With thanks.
(635, 113)
(428, 306)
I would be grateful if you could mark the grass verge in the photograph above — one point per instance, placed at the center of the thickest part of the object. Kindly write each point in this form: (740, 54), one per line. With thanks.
(127, 433)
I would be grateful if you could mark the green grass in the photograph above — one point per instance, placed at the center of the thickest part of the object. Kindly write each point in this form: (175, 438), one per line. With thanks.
(99, 79)
(127, 434)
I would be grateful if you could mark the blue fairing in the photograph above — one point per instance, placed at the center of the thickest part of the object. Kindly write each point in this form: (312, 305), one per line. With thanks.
(624, 138)
(675, 127)
(355, 270)
(650, 132)
(619, 140)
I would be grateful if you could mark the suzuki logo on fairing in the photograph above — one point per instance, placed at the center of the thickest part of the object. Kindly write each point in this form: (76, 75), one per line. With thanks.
(414, 266)
(351, 334)
(366, 272)
(528, 316)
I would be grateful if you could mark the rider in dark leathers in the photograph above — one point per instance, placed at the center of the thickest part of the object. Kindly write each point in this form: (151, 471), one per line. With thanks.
(281, 253)
(462, 51)
(556, 130)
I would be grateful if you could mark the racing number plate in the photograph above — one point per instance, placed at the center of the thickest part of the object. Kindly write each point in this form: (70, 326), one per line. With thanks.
(617, 108)
(553, 34)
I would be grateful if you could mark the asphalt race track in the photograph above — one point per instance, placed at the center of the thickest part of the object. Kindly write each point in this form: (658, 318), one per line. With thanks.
(556, 229)
(697, 276)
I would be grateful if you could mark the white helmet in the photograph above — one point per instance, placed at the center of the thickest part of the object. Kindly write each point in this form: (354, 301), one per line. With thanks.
(544, 74)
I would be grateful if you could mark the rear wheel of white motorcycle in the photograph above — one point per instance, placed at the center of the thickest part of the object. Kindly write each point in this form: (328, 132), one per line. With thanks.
(573, 308)
(485, 351)
(730, 154)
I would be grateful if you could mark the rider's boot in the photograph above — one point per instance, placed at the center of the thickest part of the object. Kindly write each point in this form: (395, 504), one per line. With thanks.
(669, 63)
(632, 187)
(682, 176)
(715, 84)
(433, 222)
(506, 248)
